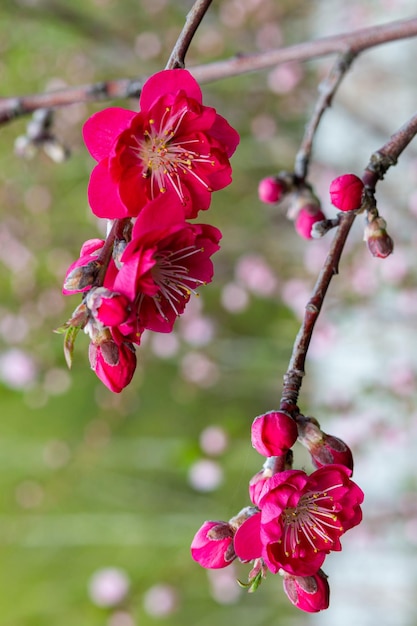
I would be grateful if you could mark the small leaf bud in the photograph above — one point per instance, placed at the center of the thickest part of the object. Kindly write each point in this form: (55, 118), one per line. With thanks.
(377, 239)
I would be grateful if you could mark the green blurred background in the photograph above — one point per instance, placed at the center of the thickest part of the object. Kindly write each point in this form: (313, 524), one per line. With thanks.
(90, 480)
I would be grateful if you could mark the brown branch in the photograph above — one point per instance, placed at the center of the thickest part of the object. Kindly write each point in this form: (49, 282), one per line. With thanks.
(358, 41)
(327, 90)
(378, 165)
(192, 22)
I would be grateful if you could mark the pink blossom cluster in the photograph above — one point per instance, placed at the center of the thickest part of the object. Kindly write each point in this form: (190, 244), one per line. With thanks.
(295, 519)
(156, 169)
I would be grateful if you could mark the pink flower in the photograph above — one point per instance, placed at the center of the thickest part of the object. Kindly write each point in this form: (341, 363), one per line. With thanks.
(305, 220)
(82, 273)
(271, 190)
(164, 263)
(114, 363)
(308, 593)
(273, 433)
(212, 546)
(346, 192)
(301, 519)
(174, 143)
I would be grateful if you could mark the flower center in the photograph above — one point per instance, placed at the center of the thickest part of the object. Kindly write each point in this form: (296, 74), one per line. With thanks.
(166, 161)
(173, 277)
(313, 519)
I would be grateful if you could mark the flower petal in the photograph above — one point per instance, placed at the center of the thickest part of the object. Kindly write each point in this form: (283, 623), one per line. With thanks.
(247, 540)
(103, 194)
(168, 81)
(102, 129)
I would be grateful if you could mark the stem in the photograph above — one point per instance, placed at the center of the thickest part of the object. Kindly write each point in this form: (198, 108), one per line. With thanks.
(327, 90)
(378, 165)
(356, 42)
(192, 22)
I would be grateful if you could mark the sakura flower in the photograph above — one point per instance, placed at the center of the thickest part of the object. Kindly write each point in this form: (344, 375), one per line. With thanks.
(164, 263)
(174, 143)
(212, 546)
(301, 519)
(308, 593)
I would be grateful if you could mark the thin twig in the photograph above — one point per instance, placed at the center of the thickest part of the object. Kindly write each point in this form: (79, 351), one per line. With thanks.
(327, 90)
(192, 22)
(378, 165)
(358, 41)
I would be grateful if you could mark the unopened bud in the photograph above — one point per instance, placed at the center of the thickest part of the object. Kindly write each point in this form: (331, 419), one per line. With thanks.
(307, 217)
(377, 239)
(212, 546)
(346, 192)
(24, 147)
(81, 277)
(324, 449)
(114, 363)
(271, 189)
(273, 433)
(55, 150)
(308, 593)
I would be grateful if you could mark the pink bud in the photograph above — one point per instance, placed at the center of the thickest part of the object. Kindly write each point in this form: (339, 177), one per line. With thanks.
(308, 593)
(378, 241)
(256, 485)
(324, 449)
(109, 308)
(305, 220)
(346, 192)
(212, 546)
(273, 433)
(271, 190)
(113, 363)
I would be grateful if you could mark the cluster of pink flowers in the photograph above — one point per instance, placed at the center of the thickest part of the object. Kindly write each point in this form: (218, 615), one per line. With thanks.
(156, 169)
(296, 518)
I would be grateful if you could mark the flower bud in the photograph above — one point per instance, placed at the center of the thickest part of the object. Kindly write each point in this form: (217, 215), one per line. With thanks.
(305, 220)
(109, 308)
(378, 241)
(324, 449)
(81, 278)
(256, 485)
(114, 363)
(273, 433)
(308, 593)
(271, 189)
(346, 192)
(212, 546)
(82, 273)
